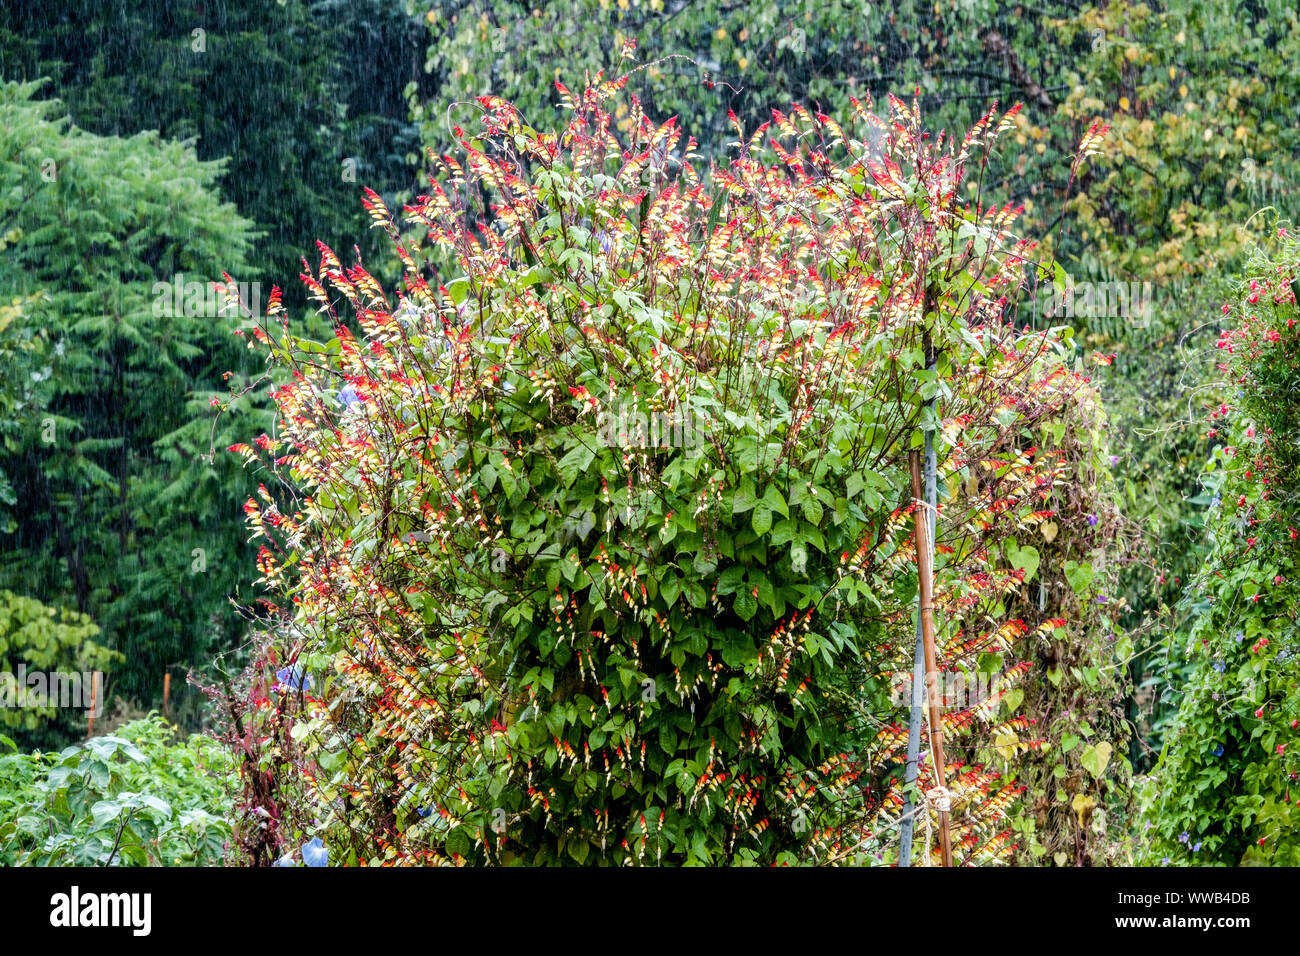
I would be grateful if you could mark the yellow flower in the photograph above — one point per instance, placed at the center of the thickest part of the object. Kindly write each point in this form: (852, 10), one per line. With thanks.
(1123, 103)
(743, 62)
(721, 34)
(1182, 90)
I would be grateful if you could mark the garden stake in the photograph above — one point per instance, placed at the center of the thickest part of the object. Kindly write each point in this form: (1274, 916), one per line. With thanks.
(918, 679)
(94, 698)
(918, 657)
(939, 793)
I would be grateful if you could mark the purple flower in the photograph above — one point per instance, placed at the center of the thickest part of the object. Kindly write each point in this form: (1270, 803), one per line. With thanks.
(1092, 521)
(1184, 837)
(348, 396)
(1218, 750)
(1114, 460)
(1219, 666)
(1197, 846)
(1101, 599)
(1165, 861)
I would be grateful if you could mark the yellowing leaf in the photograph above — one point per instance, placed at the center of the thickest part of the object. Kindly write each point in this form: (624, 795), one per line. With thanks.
(1082, 805)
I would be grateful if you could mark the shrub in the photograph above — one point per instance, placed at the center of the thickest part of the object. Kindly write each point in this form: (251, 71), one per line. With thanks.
(1223, 792)
(140, 797)
(600, 550)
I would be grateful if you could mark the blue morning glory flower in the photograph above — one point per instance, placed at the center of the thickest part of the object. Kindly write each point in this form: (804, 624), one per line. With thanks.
(1219, 666)
(1218, 750)
(1216, 501)
(423, 811)
(315, 853)
(1184, 837)
(348, 396)
(606, 242)
(1240, 637)
(1197, 847)
(292, 677)
(286, 860)
(1165, 861)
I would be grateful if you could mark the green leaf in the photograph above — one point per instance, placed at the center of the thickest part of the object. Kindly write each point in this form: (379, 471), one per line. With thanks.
(744, 497)
(745, 605)
(1080, 578)
(1095, 758)
(772, 498)
(812, 510)
(104, 811)
(578, 849)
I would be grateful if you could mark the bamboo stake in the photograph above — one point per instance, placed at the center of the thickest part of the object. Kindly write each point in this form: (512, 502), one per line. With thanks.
(94, 699)
(925, 572)
(913, 745)
(918, 658)
(167, 691)
(915, 714)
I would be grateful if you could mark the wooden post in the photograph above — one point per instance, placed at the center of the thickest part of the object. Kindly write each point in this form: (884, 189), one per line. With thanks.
(167, 690)
(925, 573)
(94, 701)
